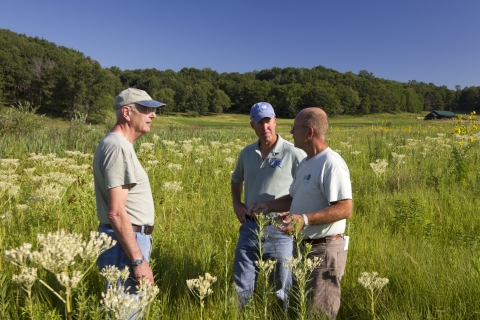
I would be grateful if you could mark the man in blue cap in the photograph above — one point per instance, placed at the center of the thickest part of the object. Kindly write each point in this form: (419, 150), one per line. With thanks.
(122, 189)
(264, 171)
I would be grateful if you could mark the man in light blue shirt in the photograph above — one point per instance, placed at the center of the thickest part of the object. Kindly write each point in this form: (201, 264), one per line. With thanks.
(264, 171)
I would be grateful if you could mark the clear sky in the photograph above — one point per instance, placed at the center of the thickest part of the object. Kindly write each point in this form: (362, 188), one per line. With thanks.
(434, 41)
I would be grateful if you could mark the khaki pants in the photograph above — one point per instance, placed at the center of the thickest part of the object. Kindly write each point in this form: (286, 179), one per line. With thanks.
(325, 279)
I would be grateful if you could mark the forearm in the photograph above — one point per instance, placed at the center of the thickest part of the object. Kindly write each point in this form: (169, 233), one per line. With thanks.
(281, 204)
(236, 189)
(337, 211)
(122, 227)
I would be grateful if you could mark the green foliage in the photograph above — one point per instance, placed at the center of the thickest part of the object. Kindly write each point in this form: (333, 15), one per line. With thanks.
(414, 225)
(63, 81)
(20, 119)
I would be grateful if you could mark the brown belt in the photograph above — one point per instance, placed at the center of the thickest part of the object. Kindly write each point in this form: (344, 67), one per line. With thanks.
(323, 240)
(146, 229)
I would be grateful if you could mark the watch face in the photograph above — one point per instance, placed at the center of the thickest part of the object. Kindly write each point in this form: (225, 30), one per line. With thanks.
(138, 262)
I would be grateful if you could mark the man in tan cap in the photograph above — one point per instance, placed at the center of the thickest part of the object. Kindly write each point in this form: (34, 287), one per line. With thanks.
(122, 189)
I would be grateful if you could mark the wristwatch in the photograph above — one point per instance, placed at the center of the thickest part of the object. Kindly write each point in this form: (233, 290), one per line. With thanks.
(138, 262)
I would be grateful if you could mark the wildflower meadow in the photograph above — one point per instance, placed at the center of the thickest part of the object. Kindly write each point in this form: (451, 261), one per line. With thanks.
(414, 250)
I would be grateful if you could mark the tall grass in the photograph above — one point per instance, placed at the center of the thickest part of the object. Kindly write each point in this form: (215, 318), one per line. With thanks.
(415, 224)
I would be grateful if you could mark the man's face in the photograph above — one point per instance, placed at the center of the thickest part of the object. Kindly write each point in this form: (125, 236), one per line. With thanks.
(299, 132)
(265, 129)
(141, 118)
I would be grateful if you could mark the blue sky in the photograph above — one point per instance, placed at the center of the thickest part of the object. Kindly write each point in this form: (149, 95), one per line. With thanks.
(402, 40)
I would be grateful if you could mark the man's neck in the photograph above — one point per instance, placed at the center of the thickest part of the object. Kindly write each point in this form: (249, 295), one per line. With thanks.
(125, 131)
(267, 146)
(315, 149)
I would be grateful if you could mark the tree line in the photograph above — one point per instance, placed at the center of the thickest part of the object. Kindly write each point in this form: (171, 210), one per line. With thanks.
(63, 82)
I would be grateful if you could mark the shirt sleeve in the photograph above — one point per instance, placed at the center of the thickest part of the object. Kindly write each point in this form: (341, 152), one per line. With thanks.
(119, 169)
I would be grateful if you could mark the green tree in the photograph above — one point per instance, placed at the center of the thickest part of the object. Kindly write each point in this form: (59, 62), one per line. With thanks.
(349, 99)
(322, 95)
(220, 102)
(167, 96)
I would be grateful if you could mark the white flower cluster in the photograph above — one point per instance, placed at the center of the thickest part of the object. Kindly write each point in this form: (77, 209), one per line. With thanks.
(58, 252)
(171, 144)
(201, 286)
(78, 154)
(302, 266)
(29, 171)
(146, 147)
(57, 162)
(379, 166)
(26, 278)
(173, 186)
(121, 304)
(10, 163)
(9, 188)
(78, 169)
(399, 158)
(187, 147)
(6, 215)
(371, 281)
(61, 178)
(48, 193)
(38, 157)
(267, 265)
(215, 144)
(174, 166)
(201, 149)
(230, 160)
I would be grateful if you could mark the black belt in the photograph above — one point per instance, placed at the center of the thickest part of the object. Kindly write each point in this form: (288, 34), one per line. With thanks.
(323, 240)
(146, 229)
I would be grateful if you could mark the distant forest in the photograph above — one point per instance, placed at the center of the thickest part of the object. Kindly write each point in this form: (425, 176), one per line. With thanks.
(63, 82)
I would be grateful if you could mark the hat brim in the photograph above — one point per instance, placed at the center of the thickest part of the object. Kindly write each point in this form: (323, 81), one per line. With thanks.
(151, 103)
(259, 116)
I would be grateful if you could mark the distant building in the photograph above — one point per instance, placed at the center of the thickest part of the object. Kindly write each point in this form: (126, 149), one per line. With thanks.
(440, 114)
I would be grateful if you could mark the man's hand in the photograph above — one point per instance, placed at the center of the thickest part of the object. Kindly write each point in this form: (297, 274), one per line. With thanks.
(291, 223)
(143, 271)
(256, 208)
(240, 211)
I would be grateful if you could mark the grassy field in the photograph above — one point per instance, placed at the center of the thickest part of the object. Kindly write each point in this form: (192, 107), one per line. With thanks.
(415, 185)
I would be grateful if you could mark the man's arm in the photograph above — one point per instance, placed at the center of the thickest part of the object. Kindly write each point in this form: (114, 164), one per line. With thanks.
(122, 226)
(336, 211)
(238, 205)
(281, 204)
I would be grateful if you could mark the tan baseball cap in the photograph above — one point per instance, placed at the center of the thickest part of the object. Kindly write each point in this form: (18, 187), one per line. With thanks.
(132, 95)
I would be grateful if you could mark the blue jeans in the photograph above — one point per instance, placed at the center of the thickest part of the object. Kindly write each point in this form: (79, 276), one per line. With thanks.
(115, 256)
(277, 245)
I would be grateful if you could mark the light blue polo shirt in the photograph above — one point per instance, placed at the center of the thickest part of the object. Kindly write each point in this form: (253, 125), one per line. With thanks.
(269, 178)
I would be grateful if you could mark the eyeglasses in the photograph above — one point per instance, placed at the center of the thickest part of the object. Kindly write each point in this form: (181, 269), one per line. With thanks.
(293, 127)
(145, 110)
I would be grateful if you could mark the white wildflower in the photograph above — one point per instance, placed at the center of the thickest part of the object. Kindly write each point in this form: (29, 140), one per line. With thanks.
(173, 186)
(201, 286)
(10, 163)
(379, 166)
(22, 207)
(371, 281)
(230, 160)
(26, 278)
(174, 166)
(5, 215)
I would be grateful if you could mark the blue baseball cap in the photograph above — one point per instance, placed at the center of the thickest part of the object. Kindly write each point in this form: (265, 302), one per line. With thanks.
(261, 110)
